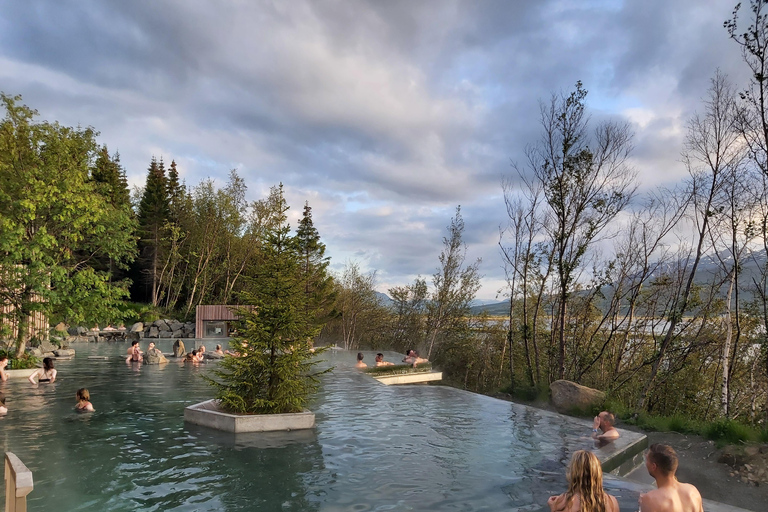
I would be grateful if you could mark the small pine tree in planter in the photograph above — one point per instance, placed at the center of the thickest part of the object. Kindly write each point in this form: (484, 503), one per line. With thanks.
(274, 373)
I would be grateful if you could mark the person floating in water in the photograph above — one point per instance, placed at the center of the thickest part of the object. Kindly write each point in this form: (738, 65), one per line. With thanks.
(134, 353)
(603, 429)
(360, 363)
(83, 401)
(585, 487)
(381, 362)
(670, 495)
(45, 374)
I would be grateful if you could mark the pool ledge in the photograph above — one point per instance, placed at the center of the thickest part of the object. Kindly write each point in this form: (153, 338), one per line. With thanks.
(208, 414)
(409, 378)
(20, 374)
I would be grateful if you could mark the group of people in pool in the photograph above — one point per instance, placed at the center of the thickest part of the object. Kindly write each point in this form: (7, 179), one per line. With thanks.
(135, 354)
(411, 357)
(45, 375)
(585, 486)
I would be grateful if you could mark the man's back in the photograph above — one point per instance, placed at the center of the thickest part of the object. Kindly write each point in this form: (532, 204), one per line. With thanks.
(674, 497)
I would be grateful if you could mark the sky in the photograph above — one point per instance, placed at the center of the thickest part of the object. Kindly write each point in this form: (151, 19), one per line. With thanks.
(384, 115)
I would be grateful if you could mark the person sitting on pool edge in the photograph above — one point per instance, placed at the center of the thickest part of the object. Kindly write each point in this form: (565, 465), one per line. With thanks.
(360, 363)
(602, 427)
(381, 362)
(83, 401)
(45, 374)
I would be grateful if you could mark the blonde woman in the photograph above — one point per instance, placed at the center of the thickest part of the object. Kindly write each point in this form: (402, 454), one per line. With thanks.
(585, 487)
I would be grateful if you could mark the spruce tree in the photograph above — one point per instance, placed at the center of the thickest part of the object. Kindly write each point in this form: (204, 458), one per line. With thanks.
(274, 373)
(153, 215)
(316, 281)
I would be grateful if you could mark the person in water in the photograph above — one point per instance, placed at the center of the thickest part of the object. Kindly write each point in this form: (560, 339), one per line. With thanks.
(360, 363)
(381, 362)
(585, 487)
(83, 401)
(134, 353)
(670, 495)
(414, 359)
(602, 427)
(3, 408)
(45, 374)
(191, 357)
(218, 350)
(3, 372)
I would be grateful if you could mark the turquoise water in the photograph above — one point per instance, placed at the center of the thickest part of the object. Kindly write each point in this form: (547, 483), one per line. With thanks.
(374, 448)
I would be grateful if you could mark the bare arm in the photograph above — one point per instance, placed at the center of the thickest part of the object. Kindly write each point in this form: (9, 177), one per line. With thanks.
(32, 377)
(54, 372)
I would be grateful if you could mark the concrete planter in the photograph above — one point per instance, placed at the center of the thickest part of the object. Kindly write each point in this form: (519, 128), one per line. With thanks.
(209, 415)
(20, 374)
(409, 378)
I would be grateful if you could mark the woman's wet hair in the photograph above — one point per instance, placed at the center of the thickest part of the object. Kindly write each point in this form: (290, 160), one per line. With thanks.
(83, 394)
(585, 479)
(48, 364)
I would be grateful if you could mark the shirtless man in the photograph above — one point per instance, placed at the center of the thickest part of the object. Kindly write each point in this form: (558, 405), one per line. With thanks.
(603, 429)
(671, 495)
(134, 353)
(381, 362)
(360, 363)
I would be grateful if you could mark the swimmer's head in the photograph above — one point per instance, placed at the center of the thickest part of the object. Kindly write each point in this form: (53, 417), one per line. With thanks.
(83, 394)
(360, 356)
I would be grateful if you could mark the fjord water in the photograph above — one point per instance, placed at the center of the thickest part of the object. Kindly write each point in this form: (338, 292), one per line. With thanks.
(374, 447)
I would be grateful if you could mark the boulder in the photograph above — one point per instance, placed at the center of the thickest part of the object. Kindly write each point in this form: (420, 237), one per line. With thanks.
(61, 327)
(131, 336)
(154, 356)
(212, 355)
(165, 334)
(34, 351)
(567, 396)
(81, 330)
(178, 349)
(175, 325)
(189, 326)
(178, 333)
(137, 327)
(73, 331)
(48, 354)
(47, 346)
(153, 332)
(93, 339)
(64, 352)
(163, 327)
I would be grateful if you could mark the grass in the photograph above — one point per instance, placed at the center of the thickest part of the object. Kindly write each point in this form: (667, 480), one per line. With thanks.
(398, 369)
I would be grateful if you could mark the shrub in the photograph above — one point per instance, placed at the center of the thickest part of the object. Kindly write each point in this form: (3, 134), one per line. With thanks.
(729, 432)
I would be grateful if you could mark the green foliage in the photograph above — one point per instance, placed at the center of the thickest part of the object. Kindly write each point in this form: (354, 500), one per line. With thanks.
(274, 371)
(55, 222)
(398, 369)
(726, 431)
(22, 362)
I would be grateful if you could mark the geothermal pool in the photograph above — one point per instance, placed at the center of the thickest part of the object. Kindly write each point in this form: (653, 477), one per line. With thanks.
(374, 447)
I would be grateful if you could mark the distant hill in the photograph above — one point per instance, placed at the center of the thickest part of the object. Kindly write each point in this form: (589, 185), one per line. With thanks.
(384, 299)
(493, 309)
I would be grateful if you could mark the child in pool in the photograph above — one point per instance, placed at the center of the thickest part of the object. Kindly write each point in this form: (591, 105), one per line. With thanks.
(83, 401)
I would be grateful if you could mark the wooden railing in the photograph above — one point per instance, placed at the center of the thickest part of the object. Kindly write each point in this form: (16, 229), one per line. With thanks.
(18, 483)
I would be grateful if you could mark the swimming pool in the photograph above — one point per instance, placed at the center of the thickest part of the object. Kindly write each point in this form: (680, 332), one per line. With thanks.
(374, 448)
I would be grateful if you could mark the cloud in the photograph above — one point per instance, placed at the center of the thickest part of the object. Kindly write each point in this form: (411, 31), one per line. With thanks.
(384, 115)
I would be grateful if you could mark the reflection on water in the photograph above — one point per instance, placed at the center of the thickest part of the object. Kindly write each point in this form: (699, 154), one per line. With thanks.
(374, 447)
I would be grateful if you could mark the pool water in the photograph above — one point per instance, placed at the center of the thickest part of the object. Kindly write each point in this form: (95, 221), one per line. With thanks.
(374, 447)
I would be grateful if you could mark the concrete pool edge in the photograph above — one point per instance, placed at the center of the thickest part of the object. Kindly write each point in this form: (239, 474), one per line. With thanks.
(207, 414)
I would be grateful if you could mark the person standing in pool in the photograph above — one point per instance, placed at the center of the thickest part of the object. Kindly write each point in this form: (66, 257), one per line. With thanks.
(381, 362)
(670, 495)
(3, 364)
(602, 427)
(134, 353)
(84, 401)
(585, 487)
(45, 374)
(360, 363)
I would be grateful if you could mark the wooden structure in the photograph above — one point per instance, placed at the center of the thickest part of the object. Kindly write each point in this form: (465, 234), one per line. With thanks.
(37, 325)
(18, 483)
(214, 321)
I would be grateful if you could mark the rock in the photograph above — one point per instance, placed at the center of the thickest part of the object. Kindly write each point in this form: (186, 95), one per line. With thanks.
(163, 327)
(137, 327)
(178, 333)
(153, 332)
(81, 330)
(64, 352)
(189, 326)
(213, 355)
(93, 339)
(48, 354)
(154, 356)
(131, 336)
(567, 396)
(178, 349)
(72, 331)
(751, 451)
(61, 327)
(175, 325)
(165, 334)
(47, 346)
(34, 351)
(727, 457)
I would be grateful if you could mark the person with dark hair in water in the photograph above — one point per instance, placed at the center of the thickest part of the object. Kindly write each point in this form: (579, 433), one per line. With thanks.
(134, 353)
(3, 408)
(380, 360)
(585, 487)
(360, 363)
(3, 364)
(670, 495)
(45, 374)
